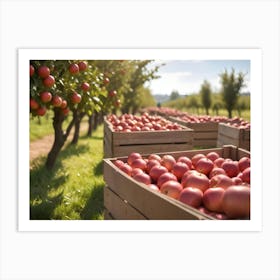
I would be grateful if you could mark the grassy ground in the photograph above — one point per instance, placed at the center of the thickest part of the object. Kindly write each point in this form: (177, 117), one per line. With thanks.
(74, 188)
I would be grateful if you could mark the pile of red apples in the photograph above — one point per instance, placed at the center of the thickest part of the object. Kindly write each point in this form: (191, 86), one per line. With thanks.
(217, 186)
(144, 122)
(235, 121)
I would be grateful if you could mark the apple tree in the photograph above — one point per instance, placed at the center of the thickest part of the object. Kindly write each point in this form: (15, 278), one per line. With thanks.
(140, 74)
(64, 86)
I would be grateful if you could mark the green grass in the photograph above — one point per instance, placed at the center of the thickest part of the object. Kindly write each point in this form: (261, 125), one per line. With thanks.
(73, 190)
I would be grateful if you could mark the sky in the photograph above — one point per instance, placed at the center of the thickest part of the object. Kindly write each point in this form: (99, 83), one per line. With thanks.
(186, 76)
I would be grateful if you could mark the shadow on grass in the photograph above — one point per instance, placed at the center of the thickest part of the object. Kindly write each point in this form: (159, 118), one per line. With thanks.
(98, 169)
(95, 204)
(43, 181)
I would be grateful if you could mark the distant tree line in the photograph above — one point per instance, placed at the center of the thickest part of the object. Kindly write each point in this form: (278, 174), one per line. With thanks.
(229, 98)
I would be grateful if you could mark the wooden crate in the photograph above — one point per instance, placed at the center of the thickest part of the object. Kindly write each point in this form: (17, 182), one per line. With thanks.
(123, 143)
(239, 137)
(205, 134)
(126, 199)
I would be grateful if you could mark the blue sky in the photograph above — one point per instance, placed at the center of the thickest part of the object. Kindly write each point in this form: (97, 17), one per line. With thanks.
(186, 76)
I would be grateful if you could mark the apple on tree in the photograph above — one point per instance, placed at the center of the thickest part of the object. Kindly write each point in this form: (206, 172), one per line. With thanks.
(74, 68)
(44, 71)
(45, 96)
(49, 81)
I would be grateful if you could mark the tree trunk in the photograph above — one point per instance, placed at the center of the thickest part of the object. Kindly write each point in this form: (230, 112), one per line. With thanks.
(229, 113)
(59, 138)
(90, 125)
(95, 121)
(77, 120)
(207, 111)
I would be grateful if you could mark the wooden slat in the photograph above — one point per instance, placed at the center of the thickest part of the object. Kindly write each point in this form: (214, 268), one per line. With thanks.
(234, 136)
(204, 135)
(209, 143)
(152, 137)
(120, 208)
(229, 131)
(144, 149)
(155, 206)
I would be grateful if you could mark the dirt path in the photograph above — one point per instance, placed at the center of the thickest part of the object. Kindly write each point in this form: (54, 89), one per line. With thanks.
(42, 146)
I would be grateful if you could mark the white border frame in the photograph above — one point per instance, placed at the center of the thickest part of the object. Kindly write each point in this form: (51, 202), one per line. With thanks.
(254, 55)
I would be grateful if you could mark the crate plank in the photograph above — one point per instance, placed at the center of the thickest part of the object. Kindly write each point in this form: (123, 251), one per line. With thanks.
(144, 149)
(205, 134)
(234, 136)
(122, 209)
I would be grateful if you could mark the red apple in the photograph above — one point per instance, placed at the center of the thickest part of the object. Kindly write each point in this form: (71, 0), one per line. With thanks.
(131, 157)
(126, 168)
(49, 81)
(63, 104)
(244, 163)
(118, 163)
(191, 196)
(151, 163)
(219, 161)
(168, 161)
(186, 175)
(154, 156)
(212, 156)
(82, 65)
(179, 169)
(56, 101)
(41, 111)
(106, 81)
(142, 178)
(156, 171)
(153, 187)
(74, 68)
(231, 168)
(34, 105)
(196, 158)
(197, 180)
(44, 71)
(185, 160)
(216, 171)
(45, 96)
(204, 165)
(112, 93)
(171, 188)
(139, 163)
(220, 180)
(167, 176)
(85, 86)
(65, 111)
(236, 202)
(213, 198)
(136, 171)
(246, 174)
(76, 98)
(236, 180)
